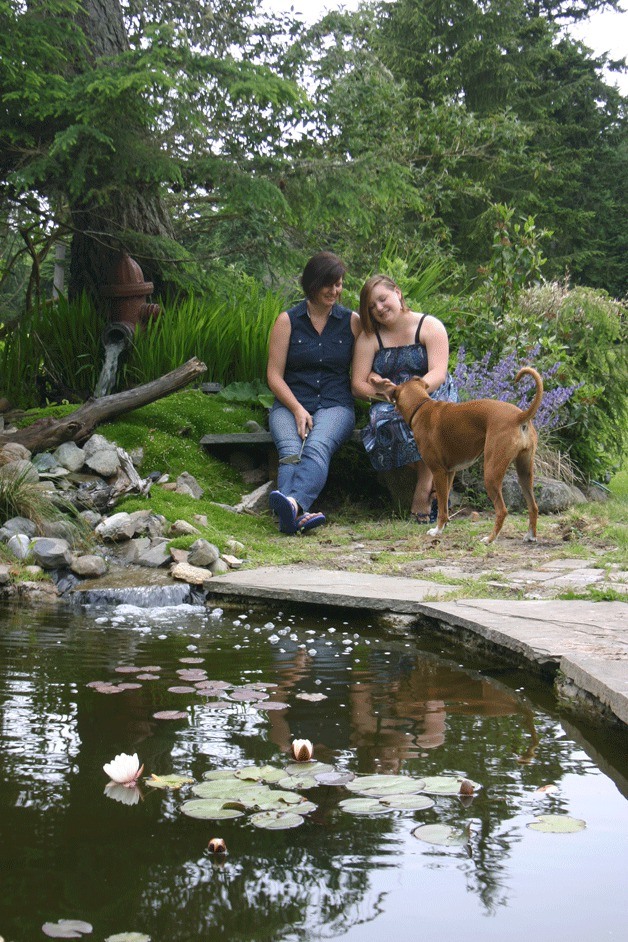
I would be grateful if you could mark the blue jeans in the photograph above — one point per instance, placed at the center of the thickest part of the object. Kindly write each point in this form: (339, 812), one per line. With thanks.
(304, 481)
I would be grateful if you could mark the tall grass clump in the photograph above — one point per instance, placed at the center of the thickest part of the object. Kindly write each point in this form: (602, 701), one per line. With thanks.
(229, 333)
(20, 497)
(53, 352)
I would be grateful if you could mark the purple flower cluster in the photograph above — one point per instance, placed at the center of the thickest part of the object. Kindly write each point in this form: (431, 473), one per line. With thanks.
(479, 381)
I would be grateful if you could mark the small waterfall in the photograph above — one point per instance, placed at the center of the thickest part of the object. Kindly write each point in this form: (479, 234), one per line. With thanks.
(107, 378)
(143, 596)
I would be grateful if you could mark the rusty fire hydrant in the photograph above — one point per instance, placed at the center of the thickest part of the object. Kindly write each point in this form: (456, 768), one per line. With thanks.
(128, 292)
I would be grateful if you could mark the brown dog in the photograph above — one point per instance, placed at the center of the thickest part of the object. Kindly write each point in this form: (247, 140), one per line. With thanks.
(452, 435)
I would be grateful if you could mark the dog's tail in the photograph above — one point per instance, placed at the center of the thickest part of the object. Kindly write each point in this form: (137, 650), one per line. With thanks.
(531, 411)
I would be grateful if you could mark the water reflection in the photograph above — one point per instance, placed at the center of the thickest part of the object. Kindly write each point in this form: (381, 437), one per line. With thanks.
(136, 862)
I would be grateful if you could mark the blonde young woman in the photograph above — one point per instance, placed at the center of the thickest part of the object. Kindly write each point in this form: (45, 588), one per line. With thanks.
(395, 345)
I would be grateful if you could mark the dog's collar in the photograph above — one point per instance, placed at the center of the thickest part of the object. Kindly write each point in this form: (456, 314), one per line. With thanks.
(416, 409)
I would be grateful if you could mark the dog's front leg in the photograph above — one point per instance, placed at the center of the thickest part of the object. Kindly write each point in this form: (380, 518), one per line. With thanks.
(442, 485)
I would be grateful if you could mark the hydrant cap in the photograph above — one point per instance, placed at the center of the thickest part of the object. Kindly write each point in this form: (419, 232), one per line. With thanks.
(128, 280)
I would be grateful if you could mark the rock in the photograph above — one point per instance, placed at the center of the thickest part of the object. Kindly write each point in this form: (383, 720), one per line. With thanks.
(13, 452)
(137, 456)
(62, 529)
(242, 460)
(17, 525)
(201, 519)
(116, 528)
(596, 493)
(130, 551)
(148, 523)
(105, 461)
(169, 485)
(254, 476)
(20, 545)
(33, 570)
(192, 574)
(232, 561)
(5, 574)
(89, 567)
(91, 517)
(182, 528)
(46, 462)
(234, 546)
(96, 443)
(253, 426)
(219, 568)
(203, 553)
(553, 497)
(93, 495)
(20, 468)
(51, 553)
(256, 501)
(179, 555)
(186, 480)
(154, 557)
(70, 456)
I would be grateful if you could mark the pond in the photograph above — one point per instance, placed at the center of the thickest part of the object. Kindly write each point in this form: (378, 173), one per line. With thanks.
(131, 861)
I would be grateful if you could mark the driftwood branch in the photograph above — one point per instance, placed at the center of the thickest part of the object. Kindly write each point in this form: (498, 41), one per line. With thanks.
(78, 426)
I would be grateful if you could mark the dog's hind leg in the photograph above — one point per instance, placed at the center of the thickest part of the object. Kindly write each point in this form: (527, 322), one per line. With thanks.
(493, 477)
(524, 465)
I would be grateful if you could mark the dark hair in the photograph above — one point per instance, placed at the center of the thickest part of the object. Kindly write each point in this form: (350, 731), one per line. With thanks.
(366, 318)
(321, 270)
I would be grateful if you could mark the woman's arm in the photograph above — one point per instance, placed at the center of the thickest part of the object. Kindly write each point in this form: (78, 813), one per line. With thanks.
(364, 383)
(277, 357)
(435, 340)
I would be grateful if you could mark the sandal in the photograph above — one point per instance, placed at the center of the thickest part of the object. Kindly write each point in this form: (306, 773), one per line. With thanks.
(286, 510)
(310, 521)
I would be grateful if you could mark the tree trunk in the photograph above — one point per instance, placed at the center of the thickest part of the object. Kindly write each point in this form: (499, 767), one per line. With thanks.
(124, 209)
(78, 426)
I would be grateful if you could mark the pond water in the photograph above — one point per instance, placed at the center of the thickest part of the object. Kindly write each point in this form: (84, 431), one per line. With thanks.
(392, 703)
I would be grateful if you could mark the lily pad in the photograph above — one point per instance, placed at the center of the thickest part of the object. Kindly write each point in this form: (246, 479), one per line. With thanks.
(224, 789)
(191, 660)
(211, 809)
(270, 705)
(308, 768)
(130, 669)
(170, 715)
(363, 806)
(304, 807)
(248, 695)
(334, 778)
(147, 677)
(441, 834)
(128, 686)
(128, 937)
(168, 781)
(261, 773)
(557, 824)
(304, 781)
(181, 689)
(446, 784)
(276, 820)
(408, 803)
(312, 697)
(385, 786)
(66, 929)
(219, 704)
(216, 774)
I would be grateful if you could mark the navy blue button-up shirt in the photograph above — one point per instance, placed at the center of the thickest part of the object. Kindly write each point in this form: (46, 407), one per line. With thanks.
(317, 366)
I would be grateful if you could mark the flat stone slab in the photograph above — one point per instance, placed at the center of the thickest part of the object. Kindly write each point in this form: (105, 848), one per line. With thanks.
(587, 641)
(329, 587)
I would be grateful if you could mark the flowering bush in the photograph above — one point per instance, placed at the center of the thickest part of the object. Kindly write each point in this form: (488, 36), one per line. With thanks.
(480, 381)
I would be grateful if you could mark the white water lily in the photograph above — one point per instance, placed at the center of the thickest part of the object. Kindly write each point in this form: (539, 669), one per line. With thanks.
(124, 769)
(302, 750)
(126, 794)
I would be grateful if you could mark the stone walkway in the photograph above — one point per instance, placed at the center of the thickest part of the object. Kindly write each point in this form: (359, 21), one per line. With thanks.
(584, 644)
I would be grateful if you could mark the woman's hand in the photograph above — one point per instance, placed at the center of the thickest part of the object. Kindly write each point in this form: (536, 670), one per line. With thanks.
(304, 421)
(383, 388)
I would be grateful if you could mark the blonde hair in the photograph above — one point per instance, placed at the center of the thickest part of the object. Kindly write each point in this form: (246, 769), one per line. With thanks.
(368, 324)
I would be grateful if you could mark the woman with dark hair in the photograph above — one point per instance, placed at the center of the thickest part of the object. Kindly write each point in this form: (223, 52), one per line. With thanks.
(309, 359)
(395, 345)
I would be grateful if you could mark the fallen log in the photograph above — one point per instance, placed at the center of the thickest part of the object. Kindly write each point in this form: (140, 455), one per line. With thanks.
(78, 426)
